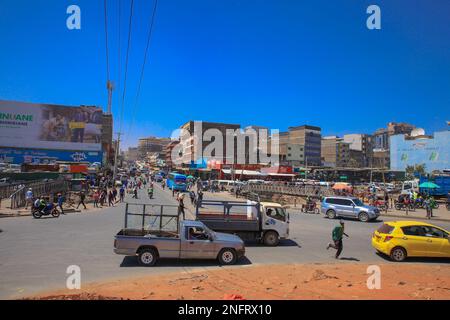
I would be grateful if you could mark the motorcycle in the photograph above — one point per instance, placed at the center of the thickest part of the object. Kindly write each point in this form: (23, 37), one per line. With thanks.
(381, 205)
(50, 209)
(402, 206)
(310, 208)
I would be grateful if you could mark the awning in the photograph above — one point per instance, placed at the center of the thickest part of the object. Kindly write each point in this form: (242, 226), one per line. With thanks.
(243, 172)
(282, 174)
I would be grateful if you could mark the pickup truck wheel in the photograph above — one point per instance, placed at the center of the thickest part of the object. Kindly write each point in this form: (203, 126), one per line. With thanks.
(227, 257)
(147, 257)
(271, 239)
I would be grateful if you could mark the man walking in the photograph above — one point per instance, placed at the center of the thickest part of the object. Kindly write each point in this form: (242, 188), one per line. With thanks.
(82, 196)
(181, 205)
(122, 193)
(61, 202)
(338, 233)
(29, 198)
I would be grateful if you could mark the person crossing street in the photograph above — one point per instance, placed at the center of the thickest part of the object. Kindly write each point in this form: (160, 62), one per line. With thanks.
(337, 235)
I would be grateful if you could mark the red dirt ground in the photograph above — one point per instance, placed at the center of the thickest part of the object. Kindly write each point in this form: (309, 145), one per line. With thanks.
(293, 281)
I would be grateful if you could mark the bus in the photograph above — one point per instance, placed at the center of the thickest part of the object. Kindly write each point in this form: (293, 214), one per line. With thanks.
(176, 181)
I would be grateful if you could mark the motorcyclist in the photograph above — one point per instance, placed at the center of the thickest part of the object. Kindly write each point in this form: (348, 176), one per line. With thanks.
(40, 204)
(310, 203)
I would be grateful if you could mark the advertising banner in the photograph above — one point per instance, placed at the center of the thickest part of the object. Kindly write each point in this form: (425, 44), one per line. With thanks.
(19, 156)
(29, 125)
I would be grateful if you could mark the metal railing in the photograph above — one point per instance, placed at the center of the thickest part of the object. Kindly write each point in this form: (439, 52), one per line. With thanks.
(39, 189)
(304, 191)
(7, 190)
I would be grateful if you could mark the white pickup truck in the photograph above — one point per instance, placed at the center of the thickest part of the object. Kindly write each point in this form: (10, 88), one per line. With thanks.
(187, 239)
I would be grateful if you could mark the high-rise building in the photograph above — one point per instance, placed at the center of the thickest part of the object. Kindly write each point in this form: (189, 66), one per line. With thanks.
(168, 154)
(188, 142)
(362, 143)
(335, 152)
(310, 137)
(381, 137)
(151, 144)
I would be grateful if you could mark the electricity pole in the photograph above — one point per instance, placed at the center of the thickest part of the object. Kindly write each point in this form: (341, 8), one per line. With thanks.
(116, 154)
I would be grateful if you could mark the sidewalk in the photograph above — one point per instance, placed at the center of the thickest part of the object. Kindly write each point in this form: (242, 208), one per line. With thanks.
(22, 212)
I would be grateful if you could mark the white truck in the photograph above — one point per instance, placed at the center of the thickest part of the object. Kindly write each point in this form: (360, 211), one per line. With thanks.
(267, 222)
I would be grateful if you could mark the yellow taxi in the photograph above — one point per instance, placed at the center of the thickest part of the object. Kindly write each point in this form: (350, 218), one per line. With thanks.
(402, 239)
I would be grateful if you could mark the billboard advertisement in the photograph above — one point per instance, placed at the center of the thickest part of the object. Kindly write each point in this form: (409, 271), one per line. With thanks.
(434, 152)
(33, 156)
(30, 125)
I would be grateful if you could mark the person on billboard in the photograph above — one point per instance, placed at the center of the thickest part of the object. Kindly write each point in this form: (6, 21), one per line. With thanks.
(78, 125)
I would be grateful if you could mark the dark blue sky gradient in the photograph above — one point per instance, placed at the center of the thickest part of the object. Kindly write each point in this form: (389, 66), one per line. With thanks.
(274, 63)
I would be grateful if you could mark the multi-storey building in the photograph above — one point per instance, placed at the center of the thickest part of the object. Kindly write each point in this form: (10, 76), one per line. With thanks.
(194, 133)
(335, 152)
(310, 137)
(361, 146)
(381, 137)
(151, 144)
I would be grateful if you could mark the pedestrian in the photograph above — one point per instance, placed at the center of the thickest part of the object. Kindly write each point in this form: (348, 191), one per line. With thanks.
(102, 197)
(192, 196)
(181, 205)
(337, 234)
(82, 196)
(386, 201)
(135, 193)
(114, 192)
(110, 199)
(61, 200)
(96, 197)
(199, 198)
(29, 198)
(121, 193)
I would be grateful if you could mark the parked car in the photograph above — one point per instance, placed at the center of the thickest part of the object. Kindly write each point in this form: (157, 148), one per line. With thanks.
(348, 207)
(402, 239)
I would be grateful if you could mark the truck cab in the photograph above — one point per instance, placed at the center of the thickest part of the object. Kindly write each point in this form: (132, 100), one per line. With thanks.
(275, 219)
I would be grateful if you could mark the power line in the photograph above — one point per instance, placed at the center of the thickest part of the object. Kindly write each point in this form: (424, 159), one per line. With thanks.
(119, 46)
(106, 39)
(124, 89)
(126, 65)
(149, 37)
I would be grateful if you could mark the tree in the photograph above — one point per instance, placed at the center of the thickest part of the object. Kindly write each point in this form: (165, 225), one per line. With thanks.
(417, 169)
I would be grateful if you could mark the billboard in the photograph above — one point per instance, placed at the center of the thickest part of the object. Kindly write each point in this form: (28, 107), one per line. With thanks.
(34, 156)
(434, 152)
(30, 125)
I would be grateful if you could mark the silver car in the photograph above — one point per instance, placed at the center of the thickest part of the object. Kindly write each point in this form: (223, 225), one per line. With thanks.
(348, 207)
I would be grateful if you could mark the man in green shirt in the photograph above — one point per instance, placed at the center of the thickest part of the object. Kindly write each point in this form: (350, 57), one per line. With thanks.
(337, 234)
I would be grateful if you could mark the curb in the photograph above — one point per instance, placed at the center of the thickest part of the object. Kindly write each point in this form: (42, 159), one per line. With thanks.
(16, 215)
(413, 217)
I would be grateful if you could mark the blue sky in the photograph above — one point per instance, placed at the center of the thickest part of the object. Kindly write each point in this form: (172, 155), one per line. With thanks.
(275, 63)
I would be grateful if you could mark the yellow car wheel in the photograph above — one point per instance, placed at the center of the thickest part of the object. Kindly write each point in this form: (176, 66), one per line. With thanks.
(398, 254)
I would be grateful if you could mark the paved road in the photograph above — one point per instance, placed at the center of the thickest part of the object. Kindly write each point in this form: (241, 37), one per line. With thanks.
(34, 254)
